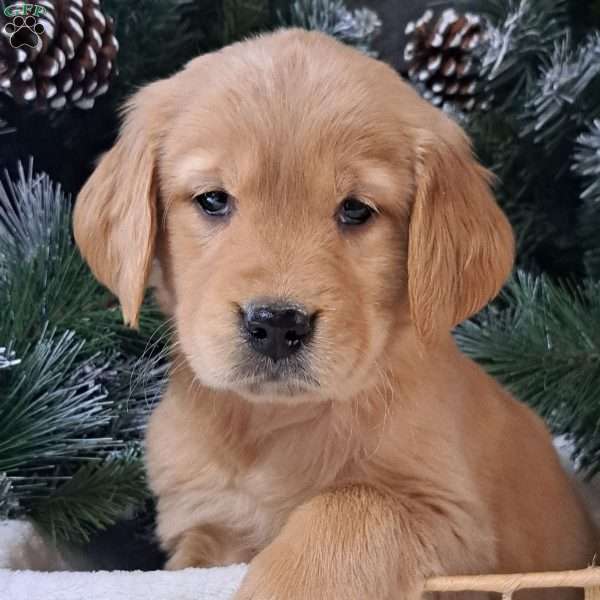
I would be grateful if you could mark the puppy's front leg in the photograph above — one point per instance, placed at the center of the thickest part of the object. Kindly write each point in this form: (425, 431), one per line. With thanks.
(352, 543)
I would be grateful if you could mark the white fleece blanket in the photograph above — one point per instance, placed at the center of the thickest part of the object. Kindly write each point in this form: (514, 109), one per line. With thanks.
(191, 584)
(33, 569)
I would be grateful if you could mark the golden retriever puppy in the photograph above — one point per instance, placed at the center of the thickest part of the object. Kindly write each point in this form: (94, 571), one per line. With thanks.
(319, 230)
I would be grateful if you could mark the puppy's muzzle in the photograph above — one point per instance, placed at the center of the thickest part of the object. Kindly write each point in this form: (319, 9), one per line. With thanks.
(276, 330)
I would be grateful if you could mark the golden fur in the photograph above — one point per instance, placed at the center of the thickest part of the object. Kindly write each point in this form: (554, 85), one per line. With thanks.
(395, 458)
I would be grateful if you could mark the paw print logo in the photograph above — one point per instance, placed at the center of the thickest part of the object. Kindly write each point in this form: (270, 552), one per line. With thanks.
(24, 31)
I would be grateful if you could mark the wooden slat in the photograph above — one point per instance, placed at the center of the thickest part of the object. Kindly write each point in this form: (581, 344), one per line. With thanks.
(592, 593)
(507, 584)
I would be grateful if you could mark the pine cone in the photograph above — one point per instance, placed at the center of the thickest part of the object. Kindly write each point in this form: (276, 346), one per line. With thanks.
(63, 56)
(443, 59)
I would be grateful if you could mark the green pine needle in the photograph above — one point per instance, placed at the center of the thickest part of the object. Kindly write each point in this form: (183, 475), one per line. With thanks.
(358, 27)
(76, 386)
(93, 498)
(7, 501)
(51, 402)
(43, 279)
(586, 164)
(566, 93)
(520, 38)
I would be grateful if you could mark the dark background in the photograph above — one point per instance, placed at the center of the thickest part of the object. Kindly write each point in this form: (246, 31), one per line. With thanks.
(394, 15)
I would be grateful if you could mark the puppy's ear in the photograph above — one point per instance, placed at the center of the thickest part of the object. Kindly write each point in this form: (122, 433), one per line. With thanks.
(461, 246)
(114, 220)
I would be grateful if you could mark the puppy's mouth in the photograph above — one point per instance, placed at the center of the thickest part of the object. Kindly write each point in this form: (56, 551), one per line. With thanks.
(265, 376)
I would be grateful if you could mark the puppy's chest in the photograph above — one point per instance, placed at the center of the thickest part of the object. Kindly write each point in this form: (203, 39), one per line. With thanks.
(255, 497)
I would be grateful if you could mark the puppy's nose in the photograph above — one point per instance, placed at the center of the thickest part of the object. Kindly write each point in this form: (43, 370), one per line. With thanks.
(277, 330)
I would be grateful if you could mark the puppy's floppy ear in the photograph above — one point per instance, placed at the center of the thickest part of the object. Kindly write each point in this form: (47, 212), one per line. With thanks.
(114, 220)
(461, 246)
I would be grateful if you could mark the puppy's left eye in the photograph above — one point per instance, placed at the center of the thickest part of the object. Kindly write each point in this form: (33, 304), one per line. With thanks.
(215, 203)
(354, 212)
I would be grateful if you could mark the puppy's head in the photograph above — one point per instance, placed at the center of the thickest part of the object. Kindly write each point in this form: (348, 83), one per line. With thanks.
(308, 211)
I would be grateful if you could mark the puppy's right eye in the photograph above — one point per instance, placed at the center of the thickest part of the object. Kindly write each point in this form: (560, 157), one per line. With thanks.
(215, 203)
(354, 212)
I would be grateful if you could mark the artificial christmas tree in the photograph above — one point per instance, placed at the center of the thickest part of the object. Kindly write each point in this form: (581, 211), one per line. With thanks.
(75, 385)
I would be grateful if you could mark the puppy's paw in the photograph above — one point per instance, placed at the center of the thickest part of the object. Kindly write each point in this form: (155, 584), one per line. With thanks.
(267, 583)
(264, 588)
(278, 574)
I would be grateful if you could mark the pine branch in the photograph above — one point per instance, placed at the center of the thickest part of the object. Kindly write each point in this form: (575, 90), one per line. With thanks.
(358, 28)
(586, 164)
(7, 358)
(522, 39)
(51, 402)
(545, 347)
(8, 503)
(42, 276)
(76, 386)
(95, 497)
(519, 40)
(560, 105)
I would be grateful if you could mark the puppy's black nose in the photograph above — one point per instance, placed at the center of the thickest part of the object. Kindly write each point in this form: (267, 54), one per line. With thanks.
(276, 330)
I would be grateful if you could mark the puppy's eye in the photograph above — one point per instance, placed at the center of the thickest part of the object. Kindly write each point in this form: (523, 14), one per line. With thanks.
(215, 203)
(354, 212)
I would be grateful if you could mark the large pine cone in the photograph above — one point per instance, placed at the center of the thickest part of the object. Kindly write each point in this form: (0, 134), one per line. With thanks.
(63, 56)
(443, 61)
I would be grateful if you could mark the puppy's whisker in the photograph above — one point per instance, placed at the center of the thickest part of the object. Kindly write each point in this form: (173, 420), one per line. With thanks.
(151, 368)
(162, 336)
